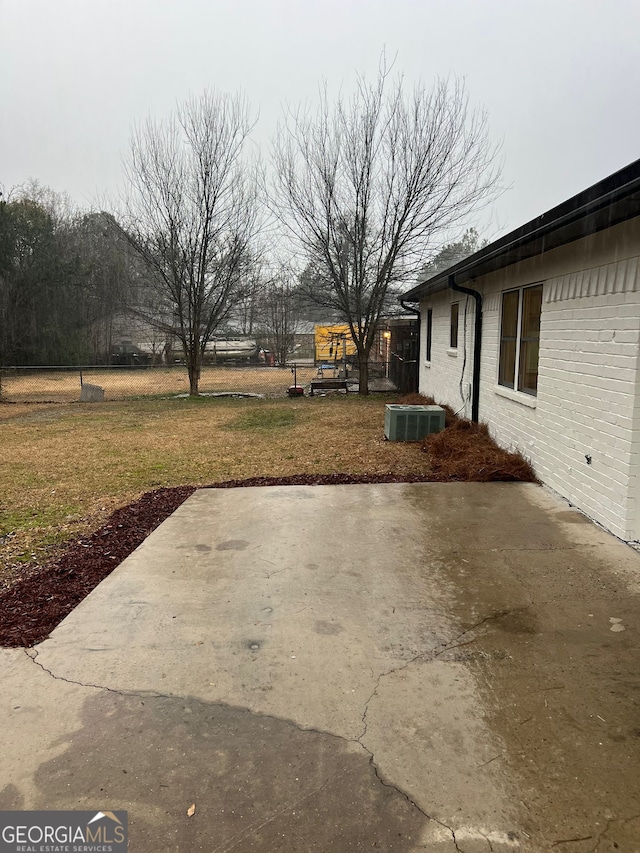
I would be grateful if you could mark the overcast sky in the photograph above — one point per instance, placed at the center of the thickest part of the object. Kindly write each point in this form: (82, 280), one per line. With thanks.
(560, 79)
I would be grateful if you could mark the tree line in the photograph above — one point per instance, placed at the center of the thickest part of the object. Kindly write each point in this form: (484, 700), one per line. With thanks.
(72, 286)
(358, 201)
(61, 274)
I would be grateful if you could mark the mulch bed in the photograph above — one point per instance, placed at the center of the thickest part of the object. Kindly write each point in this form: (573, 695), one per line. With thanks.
(36, 604)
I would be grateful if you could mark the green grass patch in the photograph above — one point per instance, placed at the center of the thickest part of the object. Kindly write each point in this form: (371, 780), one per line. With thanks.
(33, 518)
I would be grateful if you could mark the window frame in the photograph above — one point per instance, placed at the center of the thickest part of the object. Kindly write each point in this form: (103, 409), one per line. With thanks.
(428, 335)
(517, 385)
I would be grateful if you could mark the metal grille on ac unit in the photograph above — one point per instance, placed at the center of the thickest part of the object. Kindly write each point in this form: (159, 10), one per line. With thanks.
(412, 423)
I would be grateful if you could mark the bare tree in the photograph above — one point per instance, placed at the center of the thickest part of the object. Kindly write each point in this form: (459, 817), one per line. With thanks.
(281, 313)
(368, 186)
(192, 216)
(247, 311)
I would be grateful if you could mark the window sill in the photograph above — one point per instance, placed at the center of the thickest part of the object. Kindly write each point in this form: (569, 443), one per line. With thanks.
(427, 364)
(516, 396)
(452, 352)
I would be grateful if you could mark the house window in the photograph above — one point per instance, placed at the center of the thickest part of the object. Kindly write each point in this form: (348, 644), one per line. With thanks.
(455, 306)
(429, 333)
(520, 339)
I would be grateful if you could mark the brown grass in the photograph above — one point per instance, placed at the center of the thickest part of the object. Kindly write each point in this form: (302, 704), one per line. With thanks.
(121, 383)
(65, 468)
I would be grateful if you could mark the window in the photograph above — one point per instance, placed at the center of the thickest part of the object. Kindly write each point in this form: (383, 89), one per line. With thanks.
(429, 334)
(520, 339)
(455, 306)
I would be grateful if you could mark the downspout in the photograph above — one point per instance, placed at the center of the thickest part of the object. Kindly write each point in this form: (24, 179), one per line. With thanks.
(477, 345)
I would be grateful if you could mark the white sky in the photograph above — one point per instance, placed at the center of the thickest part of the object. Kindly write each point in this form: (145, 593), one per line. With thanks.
(559, 78)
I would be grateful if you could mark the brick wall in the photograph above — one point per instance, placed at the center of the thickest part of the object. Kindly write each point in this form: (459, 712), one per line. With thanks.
(448, 375)
(587, 403)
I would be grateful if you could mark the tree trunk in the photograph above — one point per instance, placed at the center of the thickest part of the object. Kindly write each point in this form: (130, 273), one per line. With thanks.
(193, 369)
(363, 368)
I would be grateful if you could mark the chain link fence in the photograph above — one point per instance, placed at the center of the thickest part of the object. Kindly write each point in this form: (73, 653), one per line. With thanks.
(72, 384)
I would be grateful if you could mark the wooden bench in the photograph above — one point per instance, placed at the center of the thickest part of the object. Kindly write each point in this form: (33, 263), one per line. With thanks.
(328, 385)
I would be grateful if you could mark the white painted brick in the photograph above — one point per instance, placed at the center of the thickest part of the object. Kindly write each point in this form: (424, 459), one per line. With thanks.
(588, 376)
(620, 374)
(631, 336)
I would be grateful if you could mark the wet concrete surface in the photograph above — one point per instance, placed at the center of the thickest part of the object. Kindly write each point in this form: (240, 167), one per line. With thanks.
(396, 667)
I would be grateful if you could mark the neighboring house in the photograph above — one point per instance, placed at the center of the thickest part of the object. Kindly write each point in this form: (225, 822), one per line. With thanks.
(551, 361)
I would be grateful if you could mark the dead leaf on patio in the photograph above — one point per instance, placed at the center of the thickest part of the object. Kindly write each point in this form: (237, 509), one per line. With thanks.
(191, 810)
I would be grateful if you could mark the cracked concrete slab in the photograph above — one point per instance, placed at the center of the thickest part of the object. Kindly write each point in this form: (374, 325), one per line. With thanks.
(257, 595)
(404, 667)
(429, 714)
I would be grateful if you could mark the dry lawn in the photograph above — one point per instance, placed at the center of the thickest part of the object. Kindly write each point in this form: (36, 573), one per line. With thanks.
(121, 383)
(64, 468)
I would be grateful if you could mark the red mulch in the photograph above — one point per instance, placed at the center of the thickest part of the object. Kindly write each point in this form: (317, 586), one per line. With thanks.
(32, 607)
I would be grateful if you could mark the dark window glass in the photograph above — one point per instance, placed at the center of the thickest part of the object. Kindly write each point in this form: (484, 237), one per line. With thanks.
(530, 339)
(508, 338)
(429, 333)
(454, 325)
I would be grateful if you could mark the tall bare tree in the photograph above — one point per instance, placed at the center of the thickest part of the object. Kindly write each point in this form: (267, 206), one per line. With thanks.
(281, 313)
(192, 215)
(367, 186)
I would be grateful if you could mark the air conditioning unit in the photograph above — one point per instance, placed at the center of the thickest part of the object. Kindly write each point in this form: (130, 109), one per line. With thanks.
(412, 423)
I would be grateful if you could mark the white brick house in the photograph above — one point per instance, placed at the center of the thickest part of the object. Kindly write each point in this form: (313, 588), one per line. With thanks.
(558, 373)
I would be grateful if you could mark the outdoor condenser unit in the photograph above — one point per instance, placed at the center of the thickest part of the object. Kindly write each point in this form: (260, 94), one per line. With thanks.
(412, 423)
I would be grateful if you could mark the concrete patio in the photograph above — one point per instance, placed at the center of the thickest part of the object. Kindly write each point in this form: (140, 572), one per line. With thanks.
(402, 667)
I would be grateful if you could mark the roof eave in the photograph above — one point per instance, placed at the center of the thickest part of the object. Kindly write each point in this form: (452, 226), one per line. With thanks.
(609, 202)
